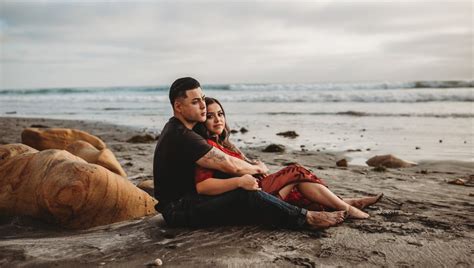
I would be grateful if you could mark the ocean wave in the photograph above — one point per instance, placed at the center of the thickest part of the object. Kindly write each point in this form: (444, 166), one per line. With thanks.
(364, 114)
(349, 96)
(251, 87)
(62, 91)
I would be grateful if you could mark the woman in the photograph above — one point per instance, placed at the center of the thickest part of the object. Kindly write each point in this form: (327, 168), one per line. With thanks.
(293, 184)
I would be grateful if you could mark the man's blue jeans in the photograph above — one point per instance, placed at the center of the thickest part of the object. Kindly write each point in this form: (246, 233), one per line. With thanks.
(234, 207)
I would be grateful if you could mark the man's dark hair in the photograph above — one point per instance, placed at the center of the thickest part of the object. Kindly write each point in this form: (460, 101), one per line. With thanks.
(180, 86)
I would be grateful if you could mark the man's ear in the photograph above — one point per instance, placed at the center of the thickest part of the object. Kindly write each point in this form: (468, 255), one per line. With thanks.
(177, 106)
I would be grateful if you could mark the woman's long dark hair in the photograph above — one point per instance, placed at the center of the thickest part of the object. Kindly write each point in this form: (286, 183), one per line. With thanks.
(223, 138)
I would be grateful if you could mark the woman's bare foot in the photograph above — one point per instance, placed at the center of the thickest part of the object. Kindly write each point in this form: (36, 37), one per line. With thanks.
(363, 202)
(321, 219)
(355, 213)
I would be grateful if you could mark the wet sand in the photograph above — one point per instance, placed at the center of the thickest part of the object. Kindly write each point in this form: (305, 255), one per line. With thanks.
(421, 221)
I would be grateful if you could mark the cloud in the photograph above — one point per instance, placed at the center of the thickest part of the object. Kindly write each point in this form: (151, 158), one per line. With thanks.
(120, 43)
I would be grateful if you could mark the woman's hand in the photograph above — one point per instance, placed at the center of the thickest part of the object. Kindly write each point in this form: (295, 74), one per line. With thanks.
(248, 182)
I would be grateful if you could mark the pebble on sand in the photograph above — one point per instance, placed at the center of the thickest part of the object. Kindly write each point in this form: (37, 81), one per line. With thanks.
(388, 161)
(288, 134)
(342, 163)
(274, 148)
(39, 126)
(243, 130)
(458, 182)
(141, 139)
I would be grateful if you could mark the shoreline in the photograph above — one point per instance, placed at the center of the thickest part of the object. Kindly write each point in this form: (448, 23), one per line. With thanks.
(422, 220)
(355, 156)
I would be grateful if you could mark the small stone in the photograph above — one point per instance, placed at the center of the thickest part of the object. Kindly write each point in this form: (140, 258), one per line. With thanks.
(424, 171)
(233, 131)
(342, 163)
(39, 126)
(274, 148)
(368, 149)
(417, 148)
(141, 139)
(440, 141)
(458, 182)
(243, 130)
(158, 262)
(380, 169)
(288, 134)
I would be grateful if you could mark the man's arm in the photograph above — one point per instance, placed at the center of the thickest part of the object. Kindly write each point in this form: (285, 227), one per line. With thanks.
(216, 159)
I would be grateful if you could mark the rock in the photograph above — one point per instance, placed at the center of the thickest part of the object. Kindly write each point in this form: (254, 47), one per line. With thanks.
(417, 148)
(58, 187)
(147, 186)
(243, 130)
(274, 148)
(458, 182)
(440, 141)
(353, 150)
(288, 134)
(233, 131)
(342, 163)
(92, 155)
(39, 126)
(12, 112)
(141, 139)
(380, 169)
(57, 138)
(388, 161)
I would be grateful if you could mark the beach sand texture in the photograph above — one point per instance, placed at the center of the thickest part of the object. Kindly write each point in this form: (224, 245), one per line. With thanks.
(422, 220)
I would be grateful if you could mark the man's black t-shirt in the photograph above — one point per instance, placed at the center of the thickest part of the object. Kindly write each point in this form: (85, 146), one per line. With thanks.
(174, 162)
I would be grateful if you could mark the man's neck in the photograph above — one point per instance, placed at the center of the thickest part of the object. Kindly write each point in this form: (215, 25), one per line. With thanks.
(187, 124)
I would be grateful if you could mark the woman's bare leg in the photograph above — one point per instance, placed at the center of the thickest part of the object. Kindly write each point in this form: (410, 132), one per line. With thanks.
(286, 190)
(363, 202)
(322, 195)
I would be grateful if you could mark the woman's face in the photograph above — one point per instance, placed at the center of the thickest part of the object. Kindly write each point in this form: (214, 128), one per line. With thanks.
(215, 121)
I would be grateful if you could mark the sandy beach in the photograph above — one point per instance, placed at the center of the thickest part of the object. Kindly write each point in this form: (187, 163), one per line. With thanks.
(421, 221)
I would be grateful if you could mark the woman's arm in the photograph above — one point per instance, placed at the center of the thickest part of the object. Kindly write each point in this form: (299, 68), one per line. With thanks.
(214, 186)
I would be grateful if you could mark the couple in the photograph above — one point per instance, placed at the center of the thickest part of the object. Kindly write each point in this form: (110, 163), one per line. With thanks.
(201, 179)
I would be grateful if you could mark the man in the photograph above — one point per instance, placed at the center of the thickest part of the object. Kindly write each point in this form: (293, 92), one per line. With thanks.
(178, 151)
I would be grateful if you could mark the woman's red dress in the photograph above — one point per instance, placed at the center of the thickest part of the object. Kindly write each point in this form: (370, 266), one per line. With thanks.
(272, 183)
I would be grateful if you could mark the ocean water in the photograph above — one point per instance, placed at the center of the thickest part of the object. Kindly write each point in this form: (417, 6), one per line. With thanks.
(416, 121)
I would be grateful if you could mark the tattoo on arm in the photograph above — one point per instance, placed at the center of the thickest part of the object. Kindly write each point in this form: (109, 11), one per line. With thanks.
(215, 155)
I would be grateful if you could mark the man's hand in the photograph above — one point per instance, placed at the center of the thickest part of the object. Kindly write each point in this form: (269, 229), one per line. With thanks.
(248, 182)
(263, 168)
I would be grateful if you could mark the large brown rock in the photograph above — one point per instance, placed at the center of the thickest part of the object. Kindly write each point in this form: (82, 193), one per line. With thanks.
(57, 138)
(92, 155)
(58, 187)
(388, 161)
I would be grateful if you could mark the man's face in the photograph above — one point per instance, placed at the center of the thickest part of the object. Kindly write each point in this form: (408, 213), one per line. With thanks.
(193, 107)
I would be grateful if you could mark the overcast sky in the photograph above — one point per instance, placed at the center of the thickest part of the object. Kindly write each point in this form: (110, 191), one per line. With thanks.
(99, 43)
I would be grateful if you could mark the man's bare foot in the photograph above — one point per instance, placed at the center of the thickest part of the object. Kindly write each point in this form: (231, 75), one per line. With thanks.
(355, 213)
(321, 219)
(363, 202)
